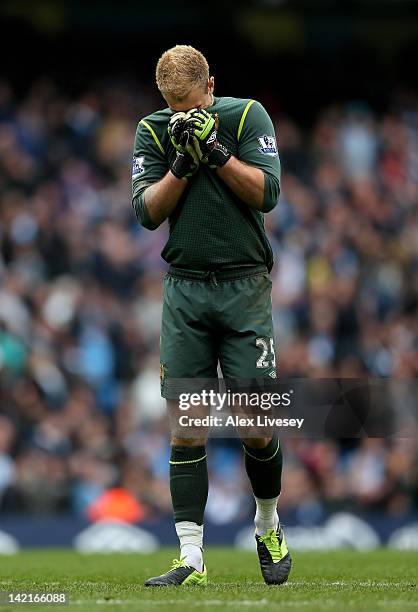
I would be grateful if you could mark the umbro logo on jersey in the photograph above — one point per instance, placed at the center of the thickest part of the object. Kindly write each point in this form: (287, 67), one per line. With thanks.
(137, 166)
(268, 145)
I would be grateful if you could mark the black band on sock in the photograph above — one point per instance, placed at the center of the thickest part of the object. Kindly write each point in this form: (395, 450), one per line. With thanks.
(264, 468)
(188, 483)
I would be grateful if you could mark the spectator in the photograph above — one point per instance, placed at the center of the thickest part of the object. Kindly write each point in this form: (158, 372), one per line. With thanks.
(80, 303)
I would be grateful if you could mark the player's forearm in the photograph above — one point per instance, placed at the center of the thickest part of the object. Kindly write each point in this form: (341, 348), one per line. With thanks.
(161, 198)
(245, 181)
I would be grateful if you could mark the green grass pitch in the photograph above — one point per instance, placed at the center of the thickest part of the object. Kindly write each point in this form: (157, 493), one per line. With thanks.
(344, 580)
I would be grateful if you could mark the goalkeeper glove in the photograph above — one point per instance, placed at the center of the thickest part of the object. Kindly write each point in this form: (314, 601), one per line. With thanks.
(203, 127)
(184, 165)
(186, 161)
(176, 131)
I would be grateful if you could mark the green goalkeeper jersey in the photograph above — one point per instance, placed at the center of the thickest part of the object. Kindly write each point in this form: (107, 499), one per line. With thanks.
(211, 228)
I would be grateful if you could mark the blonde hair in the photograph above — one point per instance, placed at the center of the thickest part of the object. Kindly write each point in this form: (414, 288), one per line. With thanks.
(181, 69)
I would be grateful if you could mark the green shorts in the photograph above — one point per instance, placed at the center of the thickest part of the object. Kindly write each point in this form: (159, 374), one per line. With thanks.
(211, 317)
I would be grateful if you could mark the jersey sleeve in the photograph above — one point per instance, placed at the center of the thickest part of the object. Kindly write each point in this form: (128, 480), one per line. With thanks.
(149, 165)
(257, 147)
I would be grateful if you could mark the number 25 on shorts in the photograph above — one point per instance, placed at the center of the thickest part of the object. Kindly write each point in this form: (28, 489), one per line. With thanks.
(267, 349)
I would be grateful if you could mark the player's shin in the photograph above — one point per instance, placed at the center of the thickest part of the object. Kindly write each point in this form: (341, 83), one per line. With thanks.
(264, 470)
(189, 492)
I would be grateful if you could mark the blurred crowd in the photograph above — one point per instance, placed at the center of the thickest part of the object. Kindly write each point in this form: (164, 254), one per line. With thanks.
(80, 304)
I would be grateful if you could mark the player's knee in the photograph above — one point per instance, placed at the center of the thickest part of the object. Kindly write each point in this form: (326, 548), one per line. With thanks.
(175, 441)
(256, 442)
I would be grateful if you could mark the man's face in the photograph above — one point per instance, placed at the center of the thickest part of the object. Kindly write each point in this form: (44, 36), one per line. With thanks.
(199, 97)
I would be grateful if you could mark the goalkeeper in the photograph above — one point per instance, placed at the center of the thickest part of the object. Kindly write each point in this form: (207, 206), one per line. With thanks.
(210, 166)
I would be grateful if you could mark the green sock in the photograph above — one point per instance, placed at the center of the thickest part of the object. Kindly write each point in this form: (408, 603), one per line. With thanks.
(188, 483)
(264, 468)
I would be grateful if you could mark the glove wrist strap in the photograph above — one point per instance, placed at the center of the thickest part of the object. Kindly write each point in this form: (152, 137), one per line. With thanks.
(176, 173)
(183, 166)
(218, 156)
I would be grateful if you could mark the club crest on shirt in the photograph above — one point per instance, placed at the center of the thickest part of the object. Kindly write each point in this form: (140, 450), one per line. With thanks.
(137, 166)
(268, 145)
